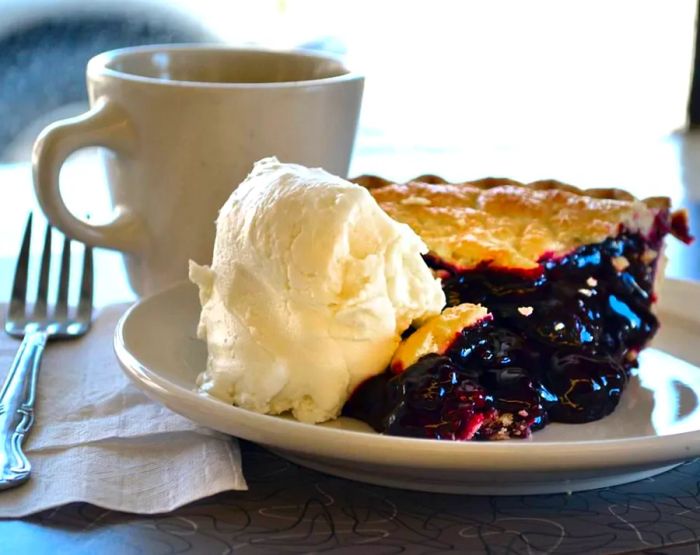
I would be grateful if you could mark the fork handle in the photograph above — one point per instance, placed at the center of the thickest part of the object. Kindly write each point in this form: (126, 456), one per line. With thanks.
(17, 409)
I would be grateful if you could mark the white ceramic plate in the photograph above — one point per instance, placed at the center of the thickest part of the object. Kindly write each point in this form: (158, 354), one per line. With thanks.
(656, 425)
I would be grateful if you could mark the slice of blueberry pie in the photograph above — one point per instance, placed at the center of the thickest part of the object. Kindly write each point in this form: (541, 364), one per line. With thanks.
(550, 293)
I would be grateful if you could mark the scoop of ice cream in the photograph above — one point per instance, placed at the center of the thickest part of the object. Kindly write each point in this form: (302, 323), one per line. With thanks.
(310, 288)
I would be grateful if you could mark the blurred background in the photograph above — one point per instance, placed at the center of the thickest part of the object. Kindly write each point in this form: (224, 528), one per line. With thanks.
(592, 92)
(440, 74)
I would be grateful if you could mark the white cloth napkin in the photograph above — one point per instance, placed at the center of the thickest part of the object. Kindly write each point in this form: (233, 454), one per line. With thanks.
(98, 439)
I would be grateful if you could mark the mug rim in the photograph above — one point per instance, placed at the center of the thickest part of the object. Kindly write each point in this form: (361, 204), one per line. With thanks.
(98, 65)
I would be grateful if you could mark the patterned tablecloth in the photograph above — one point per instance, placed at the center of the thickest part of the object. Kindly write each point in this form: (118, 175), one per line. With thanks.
(290, 509)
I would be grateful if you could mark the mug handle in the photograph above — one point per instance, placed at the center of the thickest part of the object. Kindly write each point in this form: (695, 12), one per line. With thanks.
(106, 125)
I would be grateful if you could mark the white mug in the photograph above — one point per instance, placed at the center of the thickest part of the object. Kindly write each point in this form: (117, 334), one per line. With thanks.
(183, 125)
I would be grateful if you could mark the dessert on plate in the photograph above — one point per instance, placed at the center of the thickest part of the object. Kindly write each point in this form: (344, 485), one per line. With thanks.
(553, 291)
(470, 311)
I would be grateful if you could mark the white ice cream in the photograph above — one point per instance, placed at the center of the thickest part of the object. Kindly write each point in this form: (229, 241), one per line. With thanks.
(310, 287)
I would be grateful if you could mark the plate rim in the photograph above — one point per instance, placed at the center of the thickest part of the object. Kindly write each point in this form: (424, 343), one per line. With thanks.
(583, 454)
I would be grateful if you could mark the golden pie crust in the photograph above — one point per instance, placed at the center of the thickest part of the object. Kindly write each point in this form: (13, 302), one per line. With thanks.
(437, 334)
(507, 223)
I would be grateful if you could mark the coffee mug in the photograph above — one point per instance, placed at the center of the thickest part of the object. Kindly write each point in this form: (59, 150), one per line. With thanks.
(183, 126)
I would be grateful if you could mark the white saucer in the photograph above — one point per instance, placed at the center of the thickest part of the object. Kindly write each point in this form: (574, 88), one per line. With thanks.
(656, 426)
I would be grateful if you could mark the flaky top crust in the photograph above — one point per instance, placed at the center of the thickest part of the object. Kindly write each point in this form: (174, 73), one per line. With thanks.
(507, 223)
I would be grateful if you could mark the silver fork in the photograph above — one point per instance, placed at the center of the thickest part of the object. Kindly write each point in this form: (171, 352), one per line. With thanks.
(35, 327)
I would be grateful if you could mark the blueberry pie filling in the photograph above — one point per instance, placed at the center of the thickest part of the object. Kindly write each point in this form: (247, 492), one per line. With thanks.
(457, 395)
(550, 294)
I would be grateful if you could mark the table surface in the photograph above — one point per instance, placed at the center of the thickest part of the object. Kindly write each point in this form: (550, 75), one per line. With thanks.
(291, 509)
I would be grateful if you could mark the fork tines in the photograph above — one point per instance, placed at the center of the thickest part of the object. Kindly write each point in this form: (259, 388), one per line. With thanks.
(18, 301)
